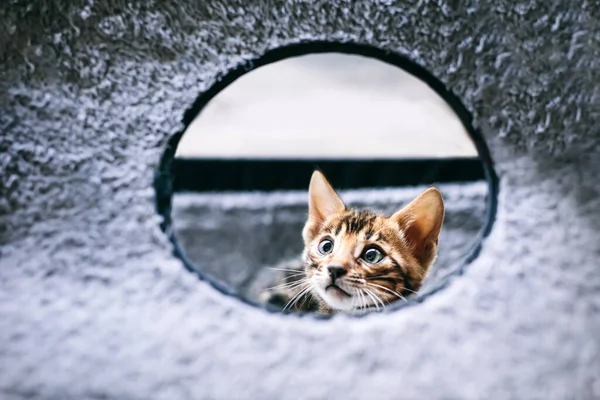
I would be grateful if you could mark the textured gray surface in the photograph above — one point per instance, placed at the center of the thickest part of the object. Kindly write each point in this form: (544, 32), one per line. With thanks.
(234, 237)
(93, 304)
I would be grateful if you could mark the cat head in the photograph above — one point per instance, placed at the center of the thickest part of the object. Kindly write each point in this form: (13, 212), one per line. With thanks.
(357, 259)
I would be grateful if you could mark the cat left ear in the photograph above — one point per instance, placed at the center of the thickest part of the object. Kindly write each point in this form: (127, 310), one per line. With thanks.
(323, 202)
(421, 220)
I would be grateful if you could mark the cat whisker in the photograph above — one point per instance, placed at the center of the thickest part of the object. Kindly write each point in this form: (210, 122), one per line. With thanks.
(372, 296)
(363, 299)
(409, 290)
(379, 298)
(364, 305)
(294, 280)
(297, 297)
(355, 298)
(306, 297)
(295, 285)
(389, 290)
(293, 300)
(286, 270)
(357, 301)
(379, 276)
(387, 276)
(307, 294)
(289, 285)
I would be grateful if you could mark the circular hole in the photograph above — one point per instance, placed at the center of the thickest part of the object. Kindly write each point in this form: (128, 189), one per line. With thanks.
(232, 187)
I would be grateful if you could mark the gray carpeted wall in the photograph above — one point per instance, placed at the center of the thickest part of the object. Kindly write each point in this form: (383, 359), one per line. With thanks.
(93, 305)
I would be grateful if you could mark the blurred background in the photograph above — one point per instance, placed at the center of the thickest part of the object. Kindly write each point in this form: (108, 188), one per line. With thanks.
(380, 135)
(327, 106)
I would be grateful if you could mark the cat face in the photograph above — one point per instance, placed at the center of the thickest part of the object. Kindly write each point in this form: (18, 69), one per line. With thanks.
(359, 259)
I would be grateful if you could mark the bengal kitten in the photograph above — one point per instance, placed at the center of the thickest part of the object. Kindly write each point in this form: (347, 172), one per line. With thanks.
(357, 260)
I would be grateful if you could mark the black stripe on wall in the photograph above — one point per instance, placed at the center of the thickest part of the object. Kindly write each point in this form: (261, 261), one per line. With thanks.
(205, 175)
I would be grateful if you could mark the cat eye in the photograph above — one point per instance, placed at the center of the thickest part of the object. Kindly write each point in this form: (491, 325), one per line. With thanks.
(325, 246)
(373, 256)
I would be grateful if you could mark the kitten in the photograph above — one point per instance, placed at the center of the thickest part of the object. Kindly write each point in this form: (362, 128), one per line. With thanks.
(357, 260)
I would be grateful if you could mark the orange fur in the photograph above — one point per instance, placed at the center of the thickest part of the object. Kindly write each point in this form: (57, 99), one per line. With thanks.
(357, 259)
(406, 243)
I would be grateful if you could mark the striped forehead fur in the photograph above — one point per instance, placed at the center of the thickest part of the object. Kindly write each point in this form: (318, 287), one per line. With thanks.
(357, 222)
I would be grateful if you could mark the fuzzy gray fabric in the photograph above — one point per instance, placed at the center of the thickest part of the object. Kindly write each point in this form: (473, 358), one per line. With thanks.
(93, 305)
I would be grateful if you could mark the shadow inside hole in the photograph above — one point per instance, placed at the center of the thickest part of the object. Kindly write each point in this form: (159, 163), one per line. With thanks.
(231, 234)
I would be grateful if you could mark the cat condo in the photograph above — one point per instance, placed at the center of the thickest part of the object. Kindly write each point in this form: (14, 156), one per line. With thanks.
(110, 196)
(234, 181)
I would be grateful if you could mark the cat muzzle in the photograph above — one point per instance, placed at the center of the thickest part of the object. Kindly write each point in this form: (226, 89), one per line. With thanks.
(337, 289)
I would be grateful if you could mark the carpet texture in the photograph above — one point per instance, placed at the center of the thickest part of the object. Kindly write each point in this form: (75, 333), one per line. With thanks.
(93, 304)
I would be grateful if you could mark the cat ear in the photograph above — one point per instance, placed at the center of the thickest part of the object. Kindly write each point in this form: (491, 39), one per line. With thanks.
(323, 202)
(421, 221)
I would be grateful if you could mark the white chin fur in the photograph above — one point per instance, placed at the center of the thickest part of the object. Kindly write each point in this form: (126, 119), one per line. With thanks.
(336, 301)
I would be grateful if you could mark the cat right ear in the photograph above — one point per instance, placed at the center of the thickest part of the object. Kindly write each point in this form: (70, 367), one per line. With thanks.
(421, 222)
(323, 202)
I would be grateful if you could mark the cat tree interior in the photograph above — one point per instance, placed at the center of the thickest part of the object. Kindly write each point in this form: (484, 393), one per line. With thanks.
(235, 237)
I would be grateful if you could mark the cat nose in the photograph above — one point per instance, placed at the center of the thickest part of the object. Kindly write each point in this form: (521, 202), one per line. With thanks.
(335, 271)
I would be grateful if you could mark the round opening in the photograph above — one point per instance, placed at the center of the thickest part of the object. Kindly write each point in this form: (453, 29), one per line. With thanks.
(233, 186)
